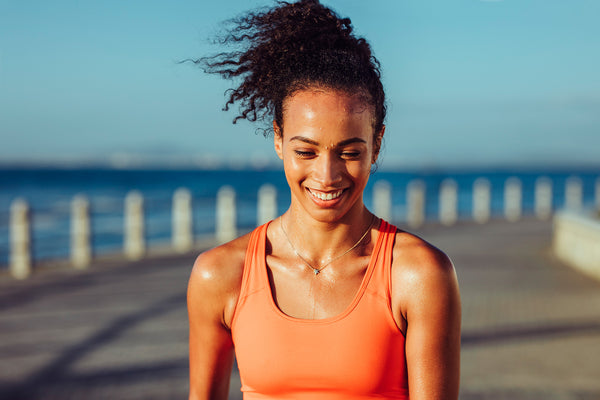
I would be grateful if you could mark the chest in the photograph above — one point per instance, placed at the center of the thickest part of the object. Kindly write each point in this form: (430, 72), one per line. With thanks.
(300, 293)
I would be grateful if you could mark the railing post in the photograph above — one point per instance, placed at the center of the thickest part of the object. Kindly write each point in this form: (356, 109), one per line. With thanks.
(512, 199)
(574, 193)
(543, 197)
(481, 200)
(448, 202)
(226, 215)
(382, 200)
(415, 203)
(135, 245)
(267, 204)
(81, 248)
(20, 239)
(182, 238)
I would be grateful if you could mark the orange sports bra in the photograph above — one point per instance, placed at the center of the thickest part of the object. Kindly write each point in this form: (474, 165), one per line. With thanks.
(358, 354)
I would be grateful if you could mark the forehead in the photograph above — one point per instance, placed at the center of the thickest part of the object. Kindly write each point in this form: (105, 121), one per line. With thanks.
(320, 105)
(352, 103)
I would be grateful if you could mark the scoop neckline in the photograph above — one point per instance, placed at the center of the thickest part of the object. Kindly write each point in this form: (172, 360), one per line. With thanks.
(357, 297)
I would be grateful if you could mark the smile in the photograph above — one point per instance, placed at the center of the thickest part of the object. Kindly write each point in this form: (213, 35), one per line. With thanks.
(326, 196)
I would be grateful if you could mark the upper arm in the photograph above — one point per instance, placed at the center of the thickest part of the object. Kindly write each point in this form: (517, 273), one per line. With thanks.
(211, 291)
(430, 305)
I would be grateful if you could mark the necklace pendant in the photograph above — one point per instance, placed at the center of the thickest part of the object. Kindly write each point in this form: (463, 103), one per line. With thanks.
(316, 271)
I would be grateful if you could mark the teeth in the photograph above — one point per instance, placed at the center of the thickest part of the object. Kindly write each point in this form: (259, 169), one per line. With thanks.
(327, 196)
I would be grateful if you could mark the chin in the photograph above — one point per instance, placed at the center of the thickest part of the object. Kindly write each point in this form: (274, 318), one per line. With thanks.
(329, 213)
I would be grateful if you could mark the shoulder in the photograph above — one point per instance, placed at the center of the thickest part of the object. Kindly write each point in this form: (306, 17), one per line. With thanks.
(413, 256)
(216, 278)
(423, 276)
(222, 264)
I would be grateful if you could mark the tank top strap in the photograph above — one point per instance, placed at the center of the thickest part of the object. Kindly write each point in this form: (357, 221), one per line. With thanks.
(381, 278)
(252, 277)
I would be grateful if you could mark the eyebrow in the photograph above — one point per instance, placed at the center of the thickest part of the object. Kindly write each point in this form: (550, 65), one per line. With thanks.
(340, 144)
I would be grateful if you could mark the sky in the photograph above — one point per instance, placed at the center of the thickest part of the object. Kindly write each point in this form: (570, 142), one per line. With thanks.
(468, 82)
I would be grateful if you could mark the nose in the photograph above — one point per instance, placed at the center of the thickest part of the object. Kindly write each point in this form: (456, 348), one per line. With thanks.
(328, 170)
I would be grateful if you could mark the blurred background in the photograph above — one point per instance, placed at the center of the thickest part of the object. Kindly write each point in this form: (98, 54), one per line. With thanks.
(95, 103)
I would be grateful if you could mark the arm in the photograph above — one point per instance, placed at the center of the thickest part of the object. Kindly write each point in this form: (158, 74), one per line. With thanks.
(212, 291)
(430, 307)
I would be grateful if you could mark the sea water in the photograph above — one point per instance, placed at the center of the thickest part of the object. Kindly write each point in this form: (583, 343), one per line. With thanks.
(49, 192)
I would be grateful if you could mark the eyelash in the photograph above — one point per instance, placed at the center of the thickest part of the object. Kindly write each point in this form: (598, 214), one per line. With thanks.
(345, 154)
(304, 154)
(351, 154)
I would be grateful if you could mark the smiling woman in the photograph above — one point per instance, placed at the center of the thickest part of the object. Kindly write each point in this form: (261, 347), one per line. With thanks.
(327, 301)
(327, 151)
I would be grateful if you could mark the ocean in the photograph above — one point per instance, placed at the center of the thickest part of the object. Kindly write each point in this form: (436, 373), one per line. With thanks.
(49, 192)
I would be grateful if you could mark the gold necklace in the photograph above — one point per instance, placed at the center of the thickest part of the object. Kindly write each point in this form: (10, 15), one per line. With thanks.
(316, 271)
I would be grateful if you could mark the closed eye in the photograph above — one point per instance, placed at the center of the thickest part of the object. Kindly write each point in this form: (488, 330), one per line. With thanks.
(350, 154)
(304, 154)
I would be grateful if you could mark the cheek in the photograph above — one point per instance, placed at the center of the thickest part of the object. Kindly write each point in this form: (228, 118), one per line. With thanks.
(293, 169)
(291, 163)
(360, 170)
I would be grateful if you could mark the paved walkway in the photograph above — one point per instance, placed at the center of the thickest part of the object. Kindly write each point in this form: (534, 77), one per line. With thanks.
(531, 326)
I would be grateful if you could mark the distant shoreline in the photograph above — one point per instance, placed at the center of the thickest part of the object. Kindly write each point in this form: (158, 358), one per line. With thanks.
(390, 167)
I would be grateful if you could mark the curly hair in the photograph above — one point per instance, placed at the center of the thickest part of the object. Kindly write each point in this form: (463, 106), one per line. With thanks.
(291, 47)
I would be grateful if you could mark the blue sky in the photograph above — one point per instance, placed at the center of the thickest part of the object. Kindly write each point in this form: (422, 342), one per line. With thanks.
(469, 82)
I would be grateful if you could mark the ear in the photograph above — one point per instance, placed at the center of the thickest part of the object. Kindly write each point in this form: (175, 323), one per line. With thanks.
(278, 140)
(377, 144)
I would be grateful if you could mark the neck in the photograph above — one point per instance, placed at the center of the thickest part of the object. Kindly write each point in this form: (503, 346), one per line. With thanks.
(321, 241)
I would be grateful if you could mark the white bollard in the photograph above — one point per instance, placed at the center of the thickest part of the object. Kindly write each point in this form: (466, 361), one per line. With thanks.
(81, 233)
(267, 204)
(382, 200)
(20, 239)
(415, 203)
(226, 215)
(182, 238)
(134, 242)
(512, 199)
(448, 206)
(481, 200)
(543, 197)
(573, 193)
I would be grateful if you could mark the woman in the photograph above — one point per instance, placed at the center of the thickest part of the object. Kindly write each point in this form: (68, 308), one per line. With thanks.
(327, 301)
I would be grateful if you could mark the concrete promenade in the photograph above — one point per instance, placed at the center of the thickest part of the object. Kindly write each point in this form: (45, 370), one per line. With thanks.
(531, 326)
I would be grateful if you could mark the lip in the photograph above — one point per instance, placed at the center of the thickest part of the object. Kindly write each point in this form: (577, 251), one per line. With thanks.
(326, 198)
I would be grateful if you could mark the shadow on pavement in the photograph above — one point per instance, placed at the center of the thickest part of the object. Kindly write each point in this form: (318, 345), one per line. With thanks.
(533, 332)
(56, 373)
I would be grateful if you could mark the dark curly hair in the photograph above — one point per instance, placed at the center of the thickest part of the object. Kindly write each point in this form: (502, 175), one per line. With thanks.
(290, 47)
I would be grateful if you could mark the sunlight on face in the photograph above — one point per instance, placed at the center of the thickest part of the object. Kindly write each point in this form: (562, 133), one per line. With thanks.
(327, 146)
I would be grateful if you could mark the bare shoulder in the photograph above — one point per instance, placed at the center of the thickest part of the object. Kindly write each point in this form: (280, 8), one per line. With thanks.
(421, 274)
(415, 256)
(222, 265)
(216, 278)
